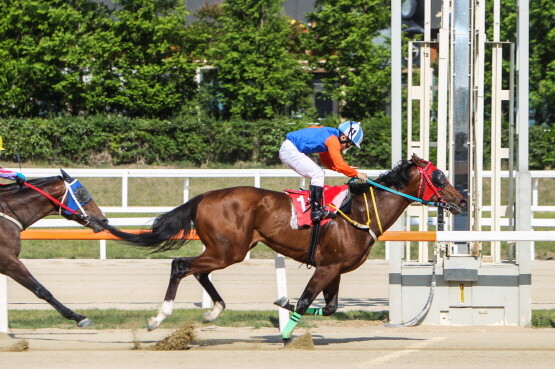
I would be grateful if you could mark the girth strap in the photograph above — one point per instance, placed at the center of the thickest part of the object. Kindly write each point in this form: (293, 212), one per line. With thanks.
(13, 220)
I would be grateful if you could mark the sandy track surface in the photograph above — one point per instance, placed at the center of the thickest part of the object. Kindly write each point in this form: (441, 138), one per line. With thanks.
(250, 285)
(347, 346)
(141, 284)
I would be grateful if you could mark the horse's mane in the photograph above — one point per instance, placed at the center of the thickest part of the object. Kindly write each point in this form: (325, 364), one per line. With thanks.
(398, 177)
(37, 182)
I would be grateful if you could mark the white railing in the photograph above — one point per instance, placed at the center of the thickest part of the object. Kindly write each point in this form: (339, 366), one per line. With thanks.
(255, 174)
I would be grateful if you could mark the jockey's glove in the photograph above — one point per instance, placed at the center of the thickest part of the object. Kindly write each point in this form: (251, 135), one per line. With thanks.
(20, 178)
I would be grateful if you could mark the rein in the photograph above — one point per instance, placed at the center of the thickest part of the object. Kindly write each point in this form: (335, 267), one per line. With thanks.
(424, 179)
(72, 200)
(425, 202)
(49, 197)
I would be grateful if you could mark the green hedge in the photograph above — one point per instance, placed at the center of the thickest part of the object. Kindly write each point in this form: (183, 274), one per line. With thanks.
(190, 141)
(116, 140)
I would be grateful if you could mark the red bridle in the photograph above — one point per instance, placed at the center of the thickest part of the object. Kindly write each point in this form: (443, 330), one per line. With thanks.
(427, 192)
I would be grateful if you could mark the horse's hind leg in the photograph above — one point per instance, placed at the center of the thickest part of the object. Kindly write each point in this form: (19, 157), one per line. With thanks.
(181, 267)
(15, 269)
(219, 304)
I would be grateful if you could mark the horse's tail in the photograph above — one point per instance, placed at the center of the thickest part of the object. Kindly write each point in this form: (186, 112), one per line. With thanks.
(169, 231)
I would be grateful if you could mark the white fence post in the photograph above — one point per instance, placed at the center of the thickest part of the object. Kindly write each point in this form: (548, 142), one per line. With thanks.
(3, 304)
(281, 281)
(103, 249)
(124, 189)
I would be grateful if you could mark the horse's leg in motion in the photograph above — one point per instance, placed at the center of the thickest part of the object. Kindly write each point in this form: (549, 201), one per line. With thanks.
(322, 277)
(219, 304)
(330, 296)
(182, 267)
(15, 269)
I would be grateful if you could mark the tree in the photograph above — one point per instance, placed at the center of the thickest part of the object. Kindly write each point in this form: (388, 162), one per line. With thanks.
(80, 57)
(257, 76)
(541, 60)
(345, 34)
(41, 54)
(140, 63)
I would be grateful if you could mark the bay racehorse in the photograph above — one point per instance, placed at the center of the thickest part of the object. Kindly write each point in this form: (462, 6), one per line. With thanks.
(231, 221)
(21, 205)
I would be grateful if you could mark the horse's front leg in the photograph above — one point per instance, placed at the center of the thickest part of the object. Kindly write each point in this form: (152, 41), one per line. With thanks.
(15, 269)
(330, 296)
(322, 277)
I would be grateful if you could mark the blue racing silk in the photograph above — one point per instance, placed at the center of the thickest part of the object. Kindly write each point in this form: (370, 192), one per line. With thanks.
(312, 139)
(8, 174)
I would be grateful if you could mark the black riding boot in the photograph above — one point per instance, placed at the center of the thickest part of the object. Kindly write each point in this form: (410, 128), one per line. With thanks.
(317, 205)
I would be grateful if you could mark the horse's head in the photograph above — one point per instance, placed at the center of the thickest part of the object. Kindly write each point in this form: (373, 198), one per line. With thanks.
(79, 206)
(435, 187)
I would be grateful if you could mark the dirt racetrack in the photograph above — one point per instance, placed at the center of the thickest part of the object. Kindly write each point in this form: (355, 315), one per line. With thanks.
(82, 284)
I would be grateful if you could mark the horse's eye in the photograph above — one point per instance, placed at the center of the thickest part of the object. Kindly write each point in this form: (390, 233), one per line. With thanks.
(438, 179)
(83, 195)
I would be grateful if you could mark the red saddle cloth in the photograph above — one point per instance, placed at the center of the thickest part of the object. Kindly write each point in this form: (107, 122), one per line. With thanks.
(332, 195)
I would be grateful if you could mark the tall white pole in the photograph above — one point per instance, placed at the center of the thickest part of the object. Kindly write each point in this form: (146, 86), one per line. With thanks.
(3, 304)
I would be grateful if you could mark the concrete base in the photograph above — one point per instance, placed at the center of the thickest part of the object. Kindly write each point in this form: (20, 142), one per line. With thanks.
(491, 299)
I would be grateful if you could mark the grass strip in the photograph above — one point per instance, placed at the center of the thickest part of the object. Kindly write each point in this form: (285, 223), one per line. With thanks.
(136, 319)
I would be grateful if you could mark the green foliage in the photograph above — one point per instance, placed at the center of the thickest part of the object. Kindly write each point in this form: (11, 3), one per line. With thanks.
(543, 318)
(542, 42)
(115, 140)
(258, 78)
(345, 44)
(81, 57)
(542, 143)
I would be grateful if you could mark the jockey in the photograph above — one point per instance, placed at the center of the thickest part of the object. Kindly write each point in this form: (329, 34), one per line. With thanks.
(8, 174)
(328, 142)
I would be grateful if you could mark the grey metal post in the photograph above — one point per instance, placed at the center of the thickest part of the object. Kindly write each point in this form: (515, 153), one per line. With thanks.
(461, 110)
(396, 247)
(523, 185)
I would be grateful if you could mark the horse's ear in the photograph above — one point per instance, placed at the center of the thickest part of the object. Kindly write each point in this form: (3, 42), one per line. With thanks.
(66, 176)
(418, 161)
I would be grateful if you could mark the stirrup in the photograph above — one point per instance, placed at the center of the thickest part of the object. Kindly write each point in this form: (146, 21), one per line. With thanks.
(321, 214)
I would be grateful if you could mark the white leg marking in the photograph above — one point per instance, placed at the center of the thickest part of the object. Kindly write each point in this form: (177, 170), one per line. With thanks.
(165, 309)
(211, 315)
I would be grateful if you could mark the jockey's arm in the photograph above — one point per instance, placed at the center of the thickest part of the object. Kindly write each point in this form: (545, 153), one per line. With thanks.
(333, 159)
(9, 174)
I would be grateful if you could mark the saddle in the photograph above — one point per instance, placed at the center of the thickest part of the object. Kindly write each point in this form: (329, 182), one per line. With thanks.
(338, 196)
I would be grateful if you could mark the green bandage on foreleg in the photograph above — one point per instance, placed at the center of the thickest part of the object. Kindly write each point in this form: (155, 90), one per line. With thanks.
(291, 324)
(314, 311)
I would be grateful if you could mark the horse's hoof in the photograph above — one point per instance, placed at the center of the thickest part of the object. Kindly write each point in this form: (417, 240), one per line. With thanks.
(282, 301)
(152, 324)
(286, 341)
(84, 323)
(208, 317)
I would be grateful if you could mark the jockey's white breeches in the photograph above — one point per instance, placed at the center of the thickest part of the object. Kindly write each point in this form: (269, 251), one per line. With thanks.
(301, 163)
